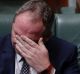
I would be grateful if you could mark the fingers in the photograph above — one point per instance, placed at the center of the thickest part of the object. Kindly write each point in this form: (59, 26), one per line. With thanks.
(22, 50)
(23, 47)
(23, 42)
(18, 38)
(19, 50)
(29, 41)
(27, 44)
(32, 43)
(20, 47)
(41, 44)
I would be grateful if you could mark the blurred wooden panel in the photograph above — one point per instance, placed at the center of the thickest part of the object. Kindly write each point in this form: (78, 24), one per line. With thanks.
(78, 6)
(57, 4)
(63, 2)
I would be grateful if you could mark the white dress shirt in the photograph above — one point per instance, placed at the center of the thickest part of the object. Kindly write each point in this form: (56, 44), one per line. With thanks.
(18, 66)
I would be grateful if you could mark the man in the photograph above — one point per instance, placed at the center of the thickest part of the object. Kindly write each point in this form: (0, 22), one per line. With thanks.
(31, 44)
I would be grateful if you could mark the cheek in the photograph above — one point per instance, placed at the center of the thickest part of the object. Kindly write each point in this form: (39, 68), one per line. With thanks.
(40, 29)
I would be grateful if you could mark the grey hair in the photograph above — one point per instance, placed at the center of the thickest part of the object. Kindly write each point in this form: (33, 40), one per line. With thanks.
(43, 10)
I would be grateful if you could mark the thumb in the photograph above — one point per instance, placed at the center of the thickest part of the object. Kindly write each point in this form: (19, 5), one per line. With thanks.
(40, 42)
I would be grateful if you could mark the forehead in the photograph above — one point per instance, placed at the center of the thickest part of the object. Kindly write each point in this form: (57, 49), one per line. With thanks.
(28, 15)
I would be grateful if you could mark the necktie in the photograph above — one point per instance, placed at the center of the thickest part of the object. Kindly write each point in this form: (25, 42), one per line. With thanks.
(25, 68)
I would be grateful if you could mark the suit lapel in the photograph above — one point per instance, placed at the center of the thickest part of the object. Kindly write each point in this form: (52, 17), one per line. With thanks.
(10, 55)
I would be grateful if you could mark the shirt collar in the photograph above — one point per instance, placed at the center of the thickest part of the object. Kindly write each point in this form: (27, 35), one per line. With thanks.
(18, 57)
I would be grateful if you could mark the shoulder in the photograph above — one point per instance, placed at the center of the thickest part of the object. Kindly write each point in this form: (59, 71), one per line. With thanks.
(57, 42)
(61, 47)
(6, 48)
(3, 41)
(6, 44)
(67, 48)
(61, 51)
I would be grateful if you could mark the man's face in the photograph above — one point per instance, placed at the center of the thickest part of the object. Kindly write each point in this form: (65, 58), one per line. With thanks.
(28, 24)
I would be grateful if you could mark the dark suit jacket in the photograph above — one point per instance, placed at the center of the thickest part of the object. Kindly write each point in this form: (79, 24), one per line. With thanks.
(62, 56)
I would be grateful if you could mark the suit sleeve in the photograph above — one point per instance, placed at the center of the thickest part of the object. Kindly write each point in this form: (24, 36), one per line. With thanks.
(72, 64)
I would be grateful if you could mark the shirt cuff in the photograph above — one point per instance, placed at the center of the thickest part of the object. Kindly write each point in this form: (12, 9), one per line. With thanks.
(53, 71)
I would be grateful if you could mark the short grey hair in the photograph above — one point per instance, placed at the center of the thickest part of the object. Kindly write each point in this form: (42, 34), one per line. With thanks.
(43, 10)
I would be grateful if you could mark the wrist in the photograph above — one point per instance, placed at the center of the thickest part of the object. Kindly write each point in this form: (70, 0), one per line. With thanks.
(47, 70)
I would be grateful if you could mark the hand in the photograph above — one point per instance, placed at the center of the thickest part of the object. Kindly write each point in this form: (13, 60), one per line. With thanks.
(36, 55)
